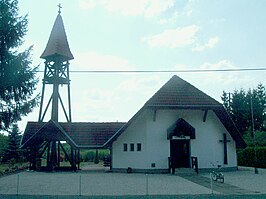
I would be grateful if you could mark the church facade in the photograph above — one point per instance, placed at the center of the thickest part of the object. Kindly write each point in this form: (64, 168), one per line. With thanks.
(177, 124)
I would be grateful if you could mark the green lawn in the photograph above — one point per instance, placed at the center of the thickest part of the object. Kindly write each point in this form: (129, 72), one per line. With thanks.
(4, 167)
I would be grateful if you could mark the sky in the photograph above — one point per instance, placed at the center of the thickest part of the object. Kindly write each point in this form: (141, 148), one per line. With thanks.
(148, 35)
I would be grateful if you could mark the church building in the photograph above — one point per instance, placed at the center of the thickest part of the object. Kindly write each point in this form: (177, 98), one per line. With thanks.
(178, 127)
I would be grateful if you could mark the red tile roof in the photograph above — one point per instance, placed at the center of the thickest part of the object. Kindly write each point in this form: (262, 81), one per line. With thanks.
(179, 93)
(83, 134)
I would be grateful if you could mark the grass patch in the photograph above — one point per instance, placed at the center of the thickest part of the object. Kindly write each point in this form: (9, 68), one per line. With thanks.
(8, 167)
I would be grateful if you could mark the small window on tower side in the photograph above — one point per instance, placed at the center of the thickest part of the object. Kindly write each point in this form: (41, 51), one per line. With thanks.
(125, 147)
(139, 147)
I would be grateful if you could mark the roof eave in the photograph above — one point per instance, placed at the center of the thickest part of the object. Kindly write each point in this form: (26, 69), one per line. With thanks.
(195, 107)
(122, 129)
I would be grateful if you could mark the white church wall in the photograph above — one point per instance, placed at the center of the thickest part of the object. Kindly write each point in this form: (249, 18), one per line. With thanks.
(207, 146)
(134, 134)
(156, 148)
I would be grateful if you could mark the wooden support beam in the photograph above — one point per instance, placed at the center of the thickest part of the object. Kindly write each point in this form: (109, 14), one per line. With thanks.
(78, 159)
(70, 161)
(63, 107)
(205, 115)
(53, 155)
(75, 156)
(33, 158)
(72, 155)
(42, 97)
(111, 158)
(58, 154)
(48, 155)
(68, 88)
(43, 150)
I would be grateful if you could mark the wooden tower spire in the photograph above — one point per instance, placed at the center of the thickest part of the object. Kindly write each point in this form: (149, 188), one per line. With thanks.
(57, 55)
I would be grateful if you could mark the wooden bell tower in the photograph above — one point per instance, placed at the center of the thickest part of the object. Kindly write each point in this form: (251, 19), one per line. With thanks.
(57, 55)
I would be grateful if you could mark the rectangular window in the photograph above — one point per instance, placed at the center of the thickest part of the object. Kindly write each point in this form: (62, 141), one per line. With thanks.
(131, 147)
(139, 147)
(125, 147)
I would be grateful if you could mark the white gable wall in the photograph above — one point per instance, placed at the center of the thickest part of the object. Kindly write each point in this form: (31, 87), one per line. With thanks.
(156, 148)
(135, 133)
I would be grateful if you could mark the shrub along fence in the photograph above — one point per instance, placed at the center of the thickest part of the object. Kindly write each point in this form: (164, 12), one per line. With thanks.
(246, 157)
(92, 156)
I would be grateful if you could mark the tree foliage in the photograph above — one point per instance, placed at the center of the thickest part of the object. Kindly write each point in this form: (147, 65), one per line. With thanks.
(240, 104)
(17, 77)
(3, 144)
(12, 151)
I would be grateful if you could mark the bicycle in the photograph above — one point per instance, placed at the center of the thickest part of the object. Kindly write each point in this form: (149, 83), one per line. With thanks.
(217, 175)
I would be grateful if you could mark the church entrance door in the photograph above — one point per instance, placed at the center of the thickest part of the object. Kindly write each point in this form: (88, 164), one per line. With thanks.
(180, 153)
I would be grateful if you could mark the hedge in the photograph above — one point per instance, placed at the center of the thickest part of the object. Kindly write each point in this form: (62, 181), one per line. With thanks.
(90, 155)
(246, 157)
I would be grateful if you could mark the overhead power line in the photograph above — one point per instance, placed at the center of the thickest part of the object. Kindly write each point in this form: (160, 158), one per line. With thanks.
(169, 71)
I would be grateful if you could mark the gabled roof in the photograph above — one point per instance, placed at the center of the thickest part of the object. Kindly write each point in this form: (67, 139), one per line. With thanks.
(47, 131)
(57, 44)
(179, 93)
(80, 134)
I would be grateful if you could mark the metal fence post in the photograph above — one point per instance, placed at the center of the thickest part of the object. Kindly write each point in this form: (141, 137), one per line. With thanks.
(79, 185)
(17, 183)
(147, 185)
(211, 182)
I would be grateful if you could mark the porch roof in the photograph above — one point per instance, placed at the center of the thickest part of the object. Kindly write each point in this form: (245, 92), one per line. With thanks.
(80, 134)
(181, 128)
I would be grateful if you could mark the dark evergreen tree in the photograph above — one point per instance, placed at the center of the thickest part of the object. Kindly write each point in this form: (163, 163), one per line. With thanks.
(12, 152)
(3, 144)
(17, 76)
(238, 105)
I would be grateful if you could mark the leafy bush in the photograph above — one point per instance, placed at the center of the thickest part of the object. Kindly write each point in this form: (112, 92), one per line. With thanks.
(246, 157)
(90, 155)
(260, 138)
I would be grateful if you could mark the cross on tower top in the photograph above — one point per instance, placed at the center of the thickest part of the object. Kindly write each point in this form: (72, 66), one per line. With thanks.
(59, 8)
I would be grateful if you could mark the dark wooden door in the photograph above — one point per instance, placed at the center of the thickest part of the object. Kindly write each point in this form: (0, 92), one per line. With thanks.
(180, 153)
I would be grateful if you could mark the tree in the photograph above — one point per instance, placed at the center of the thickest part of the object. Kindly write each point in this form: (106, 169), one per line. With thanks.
(12, 152)
(239, 103)
(3, 144)
(17, 77)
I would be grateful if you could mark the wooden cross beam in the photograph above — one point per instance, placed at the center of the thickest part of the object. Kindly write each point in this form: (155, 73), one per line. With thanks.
(224, 141)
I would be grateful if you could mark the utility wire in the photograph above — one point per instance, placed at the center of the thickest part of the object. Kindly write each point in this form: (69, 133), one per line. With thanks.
(169, 71)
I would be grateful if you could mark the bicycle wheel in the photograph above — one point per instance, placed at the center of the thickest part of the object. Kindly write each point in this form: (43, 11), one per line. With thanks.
(214, 176)
(222, 179)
